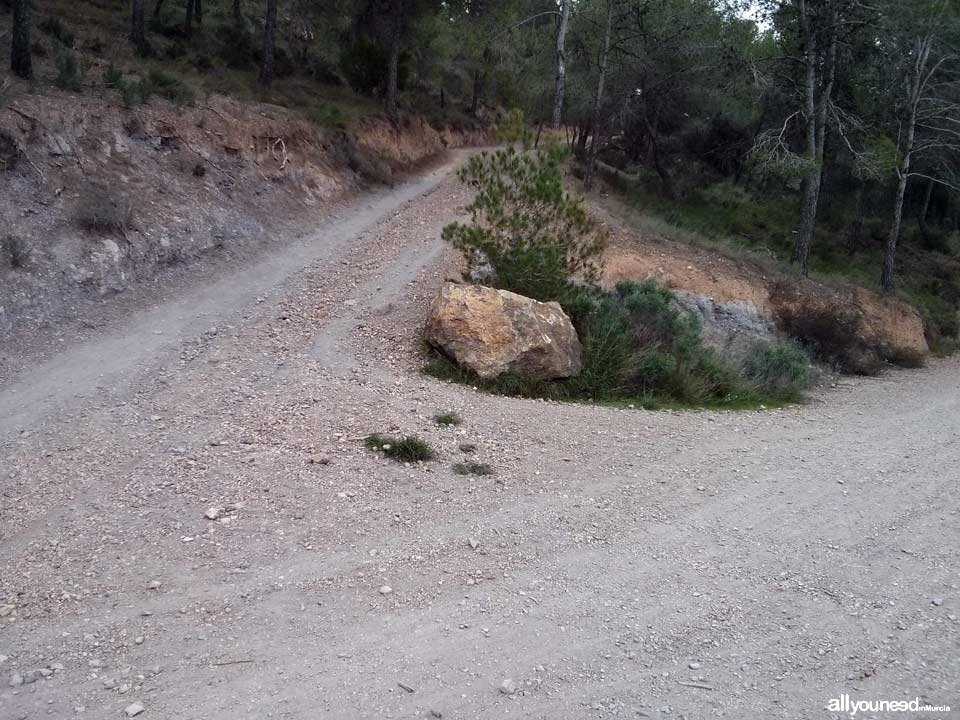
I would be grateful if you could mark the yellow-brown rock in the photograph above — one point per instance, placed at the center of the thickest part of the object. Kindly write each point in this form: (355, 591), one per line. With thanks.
(495, 331)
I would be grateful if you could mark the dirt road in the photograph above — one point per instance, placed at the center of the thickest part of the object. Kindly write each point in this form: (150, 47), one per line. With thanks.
(620, 563)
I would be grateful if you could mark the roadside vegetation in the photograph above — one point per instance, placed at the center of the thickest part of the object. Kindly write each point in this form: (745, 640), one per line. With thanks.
(530, 236)
(408, 448)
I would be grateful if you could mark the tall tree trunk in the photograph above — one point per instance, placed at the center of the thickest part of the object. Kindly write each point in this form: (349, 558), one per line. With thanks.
(21, 62)
(269, 43)
(815, 109)
(859, 210)
(237, 14)
(138, 35)
(393, 67)
(198, 9)
(585, 130)
(921, 54)
(157, 6)
(188, 19)
(888, 275)
(925, 208)
(598, 99)
(561, 64)
(653, 149)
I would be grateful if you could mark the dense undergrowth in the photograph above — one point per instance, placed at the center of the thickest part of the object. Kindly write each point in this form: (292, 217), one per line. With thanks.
(640, 349)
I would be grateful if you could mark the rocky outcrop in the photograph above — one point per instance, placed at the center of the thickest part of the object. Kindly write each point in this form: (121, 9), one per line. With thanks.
(891, 325)
(738, 302)
(854, 328)
(495, 331)
(729, 326)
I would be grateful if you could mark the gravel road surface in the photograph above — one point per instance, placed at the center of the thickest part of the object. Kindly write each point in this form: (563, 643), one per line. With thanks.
(190, 528)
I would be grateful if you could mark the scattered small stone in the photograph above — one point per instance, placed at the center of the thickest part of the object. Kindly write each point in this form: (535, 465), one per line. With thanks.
(16, 680)
(467, 447)
(404, 687)
(436, 714)
(321, 459)
(212, 513)
(6, 610)
(694, 666)
(133, 709)
(937, 602)
(138, 640)
(153, 585)
(385, 589)
(508, 687)
(473, 543)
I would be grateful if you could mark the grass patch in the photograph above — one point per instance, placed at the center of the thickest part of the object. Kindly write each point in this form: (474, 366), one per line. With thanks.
(15, 250)
(102, 210)
(472, 468)
(446, 419)
(401, 449)
(69, 71)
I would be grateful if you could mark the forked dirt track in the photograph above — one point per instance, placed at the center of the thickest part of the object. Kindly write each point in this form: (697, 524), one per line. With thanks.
(620, 563)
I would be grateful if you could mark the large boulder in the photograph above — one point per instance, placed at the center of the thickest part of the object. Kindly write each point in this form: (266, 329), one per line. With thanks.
(495, 331)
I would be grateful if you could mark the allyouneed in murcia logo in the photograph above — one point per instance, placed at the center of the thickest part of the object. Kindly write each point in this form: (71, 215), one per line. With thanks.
(846, 704)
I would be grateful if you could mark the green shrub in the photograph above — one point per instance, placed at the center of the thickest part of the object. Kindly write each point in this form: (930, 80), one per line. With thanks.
(402, 449)
(69, 71)
(536, 238)
(54, 28)
(364, 64)
(473, 468)
(16, 251)
(778, 370)
(165, 85)
(113, 76)
(447, 418)
(102, 210)
(238, 48)
(134, 93)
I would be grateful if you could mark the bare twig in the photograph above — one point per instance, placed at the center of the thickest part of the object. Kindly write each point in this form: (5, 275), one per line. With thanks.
(33, 165)
(217, 112)
(695, 685)
(232, 662)
(283, 147)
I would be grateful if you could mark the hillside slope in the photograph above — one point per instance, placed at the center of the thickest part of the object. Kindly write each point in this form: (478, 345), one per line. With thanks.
(99, 197)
